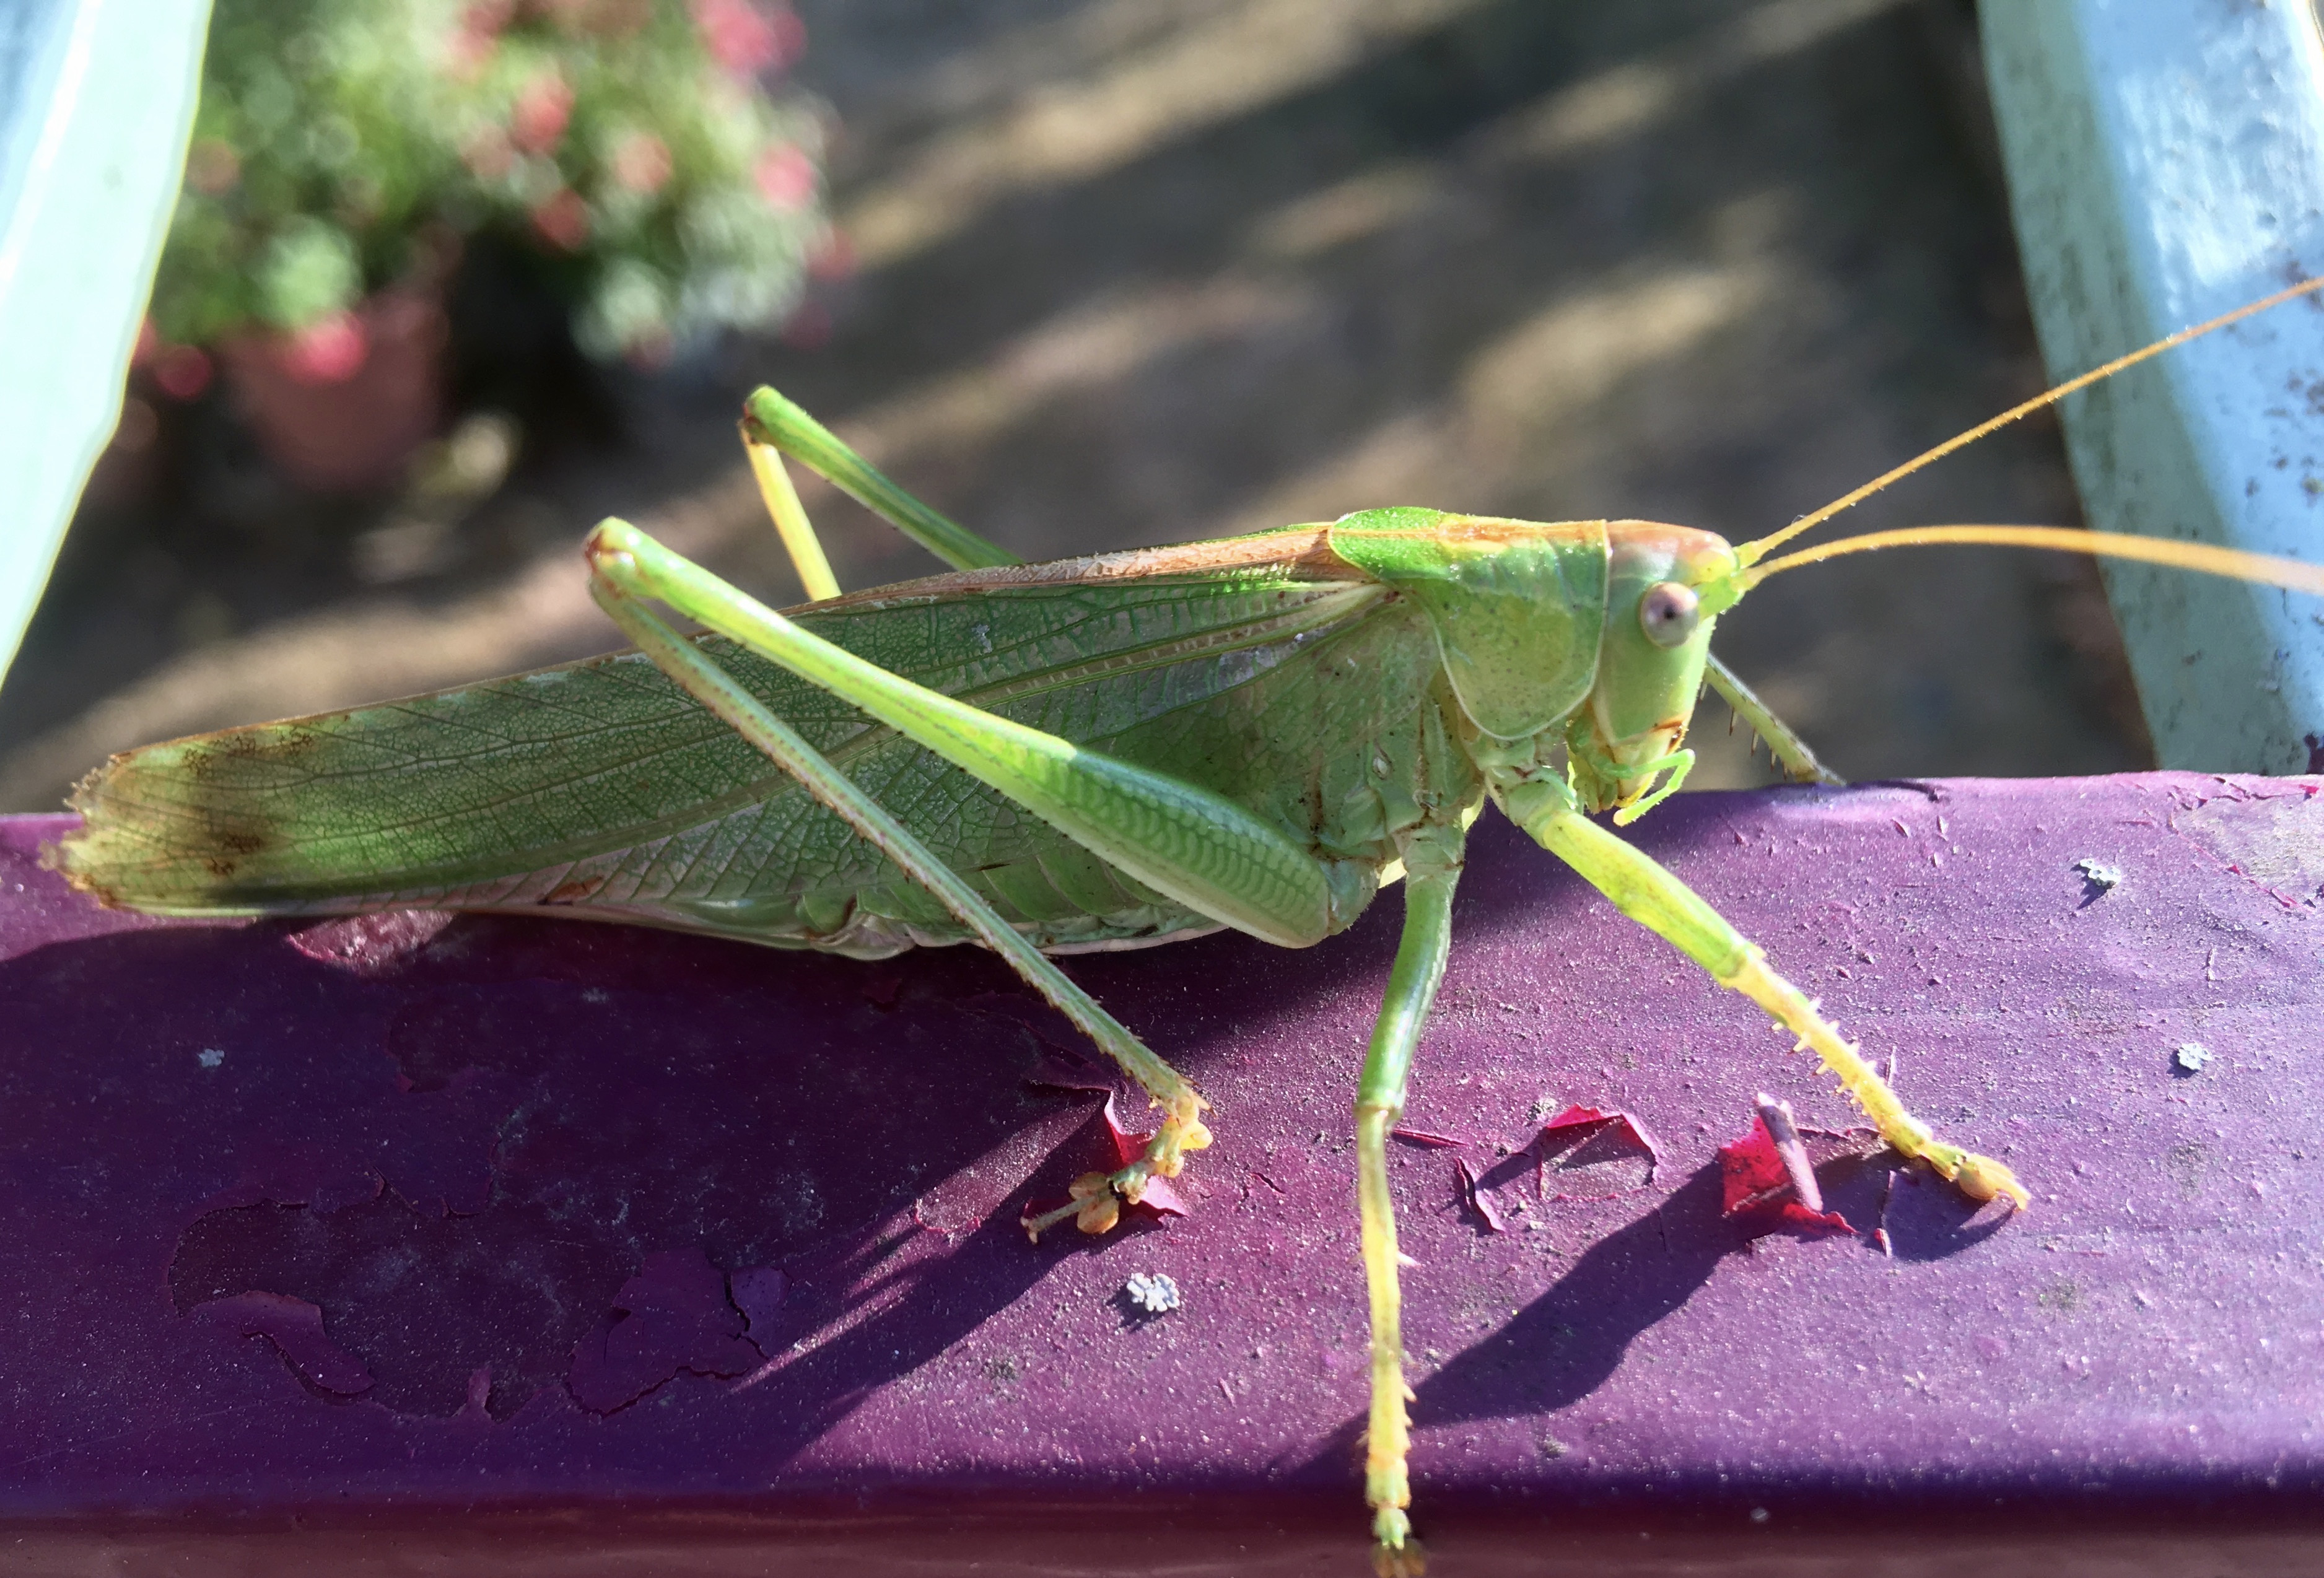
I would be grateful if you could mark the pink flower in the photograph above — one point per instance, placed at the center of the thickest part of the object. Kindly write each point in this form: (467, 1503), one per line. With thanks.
(785, 178)
(469, 50)
(182, 372)
(562, 220)
(536, 123)
(642, 162)
(489, 154)
(330, 352)
(746, 39)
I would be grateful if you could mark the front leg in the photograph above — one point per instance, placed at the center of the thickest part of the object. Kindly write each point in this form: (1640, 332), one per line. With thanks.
(1648, 894)
(1783, 743)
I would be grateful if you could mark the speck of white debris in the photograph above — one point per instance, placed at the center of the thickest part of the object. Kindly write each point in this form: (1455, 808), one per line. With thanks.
(1758, 1515)
(1154, 1293)
(2099, 875)
(2190, 1057)
(210, 1057)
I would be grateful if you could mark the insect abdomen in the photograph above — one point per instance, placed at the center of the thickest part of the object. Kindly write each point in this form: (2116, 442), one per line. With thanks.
(599, 790)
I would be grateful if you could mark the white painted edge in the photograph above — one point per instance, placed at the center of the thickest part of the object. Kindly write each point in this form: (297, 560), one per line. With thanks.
(78, 249)
(2166, 164)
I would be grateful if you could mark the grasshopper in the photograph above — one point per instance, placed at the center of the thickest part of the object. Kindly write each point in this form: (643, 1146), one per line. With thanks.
(1257, 733)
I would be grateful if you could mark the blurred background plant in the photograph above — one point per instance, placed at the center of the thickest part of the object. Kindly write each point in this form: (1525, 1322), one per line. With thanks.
(631, 152)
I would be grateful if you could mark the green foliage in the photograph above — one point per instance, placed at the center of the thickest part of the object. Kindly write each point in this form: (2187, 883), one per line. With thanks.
(345, 145)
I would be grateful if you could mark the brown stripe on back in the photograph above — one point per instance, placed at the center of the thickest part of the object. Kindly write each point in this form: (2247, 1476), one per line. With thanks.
(1496, 529)
(1304, 552)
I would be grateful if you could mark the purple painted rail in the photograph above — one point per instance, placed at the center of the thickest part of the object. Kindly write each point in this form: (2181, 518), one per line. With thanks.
(464, 1240)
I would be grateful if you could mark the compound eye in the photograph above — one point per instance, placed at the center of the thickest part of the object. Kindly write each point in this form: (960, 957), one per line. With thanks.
(1669, 613)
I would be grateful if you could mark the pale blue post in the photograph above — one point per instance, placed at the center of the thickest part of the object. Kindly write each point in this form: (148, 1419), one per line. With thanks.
(95, 100)
(2166, 164)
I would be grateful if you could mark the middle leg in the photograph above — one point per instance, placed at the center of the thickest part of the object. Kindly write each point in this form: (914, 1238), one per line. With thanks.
(1431, 869)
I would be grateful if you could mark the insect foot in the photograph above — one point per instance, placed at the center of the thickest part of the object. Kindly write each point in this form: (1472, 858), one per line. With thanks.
(1183, 1130)
(1403, 1559)
(1980, 1178)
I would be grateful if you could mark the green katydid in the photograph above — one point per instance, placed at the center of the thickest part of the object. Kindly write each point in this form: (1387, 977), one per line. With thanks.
(1254, 732)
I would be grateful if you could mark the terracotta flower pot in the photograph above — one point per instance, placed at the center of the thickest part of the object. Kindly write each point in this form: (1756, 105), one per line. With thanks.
(339, 407)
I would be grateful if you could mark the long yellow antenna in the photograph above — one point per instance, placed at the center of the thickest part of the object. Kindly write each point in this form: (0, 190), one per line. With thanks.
(2290, 573)
(1754, 551)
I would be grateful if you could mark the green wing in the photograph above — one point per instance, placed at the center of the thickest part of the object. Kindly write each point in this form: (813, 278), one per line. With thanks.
(1290, 683)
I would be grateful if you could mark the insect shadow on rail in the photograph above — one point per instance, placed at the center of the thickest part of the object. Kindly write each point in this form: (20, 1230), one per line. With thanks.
(1570, 1341)
(521, 1125)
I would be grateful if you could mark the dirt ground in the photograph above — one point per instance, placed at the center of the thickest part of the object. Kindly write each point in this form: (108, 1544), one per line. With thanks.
(1139, 271)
